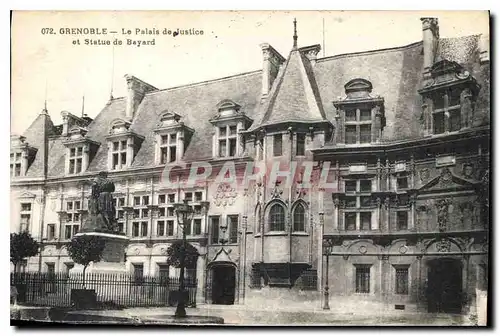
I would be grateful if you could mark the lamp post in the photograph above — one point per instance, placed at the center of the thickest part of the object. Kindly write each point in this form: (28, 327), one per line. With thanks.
(326, 251)
(184, 213)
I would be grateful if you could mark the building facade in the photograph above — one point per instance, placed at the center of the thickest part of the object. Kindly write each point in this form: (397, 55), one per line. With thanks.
(400, 218)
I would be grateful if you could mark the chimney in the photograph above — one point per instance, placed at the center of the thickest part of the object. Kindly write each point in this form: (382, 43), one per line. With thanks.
(136, 89)
(484, 49)
(272, 61)
(430, 30)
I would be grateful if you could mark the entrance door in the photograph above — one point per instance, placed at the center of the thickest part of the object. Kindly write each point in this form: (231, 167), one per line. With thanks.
(223, 284)
(444, 291)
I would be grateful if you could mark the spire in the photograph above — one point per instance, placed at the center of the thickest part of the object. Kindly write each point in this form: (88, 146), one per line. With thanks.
(83, 107)
(294, 33)
(44, 111)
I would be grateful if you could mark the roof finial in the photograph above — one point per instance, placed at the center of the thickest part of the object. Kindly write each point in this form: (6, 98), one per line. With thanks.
(44, 111)
(294, 33)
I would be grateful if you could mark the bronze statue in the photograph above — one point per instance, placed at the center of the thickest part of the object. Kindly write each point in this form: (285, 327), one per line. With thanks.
(101, 207)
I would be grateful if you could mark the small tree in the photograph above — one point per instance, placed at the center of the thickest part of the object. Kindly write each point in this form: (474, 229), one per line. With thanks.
(22, 246)
(174, 252)
(86, 249)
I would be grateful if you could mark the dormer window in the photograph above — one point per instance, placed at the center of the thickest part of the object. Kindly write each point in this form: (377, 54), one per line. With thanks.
(449, 98)
(21, 156)
(227, 141)
(360, 116)
(80, 150)
(123, 145)
(229, 122)
(172, 137)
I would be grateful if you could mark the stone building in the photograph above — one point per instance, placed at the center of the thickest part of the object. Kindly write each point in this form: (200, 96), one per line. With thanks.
(400, 219)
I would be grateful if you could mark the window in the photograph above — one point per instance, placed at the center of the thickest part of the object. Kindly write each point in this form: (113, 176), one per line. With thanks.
(198, 196)
(350, 221)
(358, 126)
(161, 199)
(278, 144)
(402, 182)
(233, 228)
(165, 228)
(73, 219)
(140, 214)
(168, 148)
(358, 205)
(214, 229)
(301, 143)
(277, 218)
(15, 164)
(139, 229)
(227, 141)
(119, 154)
(299, 218)
(25, 217)
(187, 228)
(120, 213)
(401, 279)
(447, 106)
(197, 226)
(366, 220)
(362, 278)
(188, 196)
(51, 231)
(402, 220)
(163, 273)
(171, 198)
(75, 160)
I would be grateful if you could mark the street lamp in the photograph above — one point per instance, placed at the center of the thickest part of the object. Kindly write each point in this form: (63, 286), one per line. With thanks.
(326, 251)
(184, 213)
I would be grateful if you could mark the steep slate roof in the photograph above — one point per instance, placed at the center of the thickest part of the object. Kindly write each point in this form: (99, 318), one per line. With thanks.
(300, 92)
(36, 135)
(296, 97)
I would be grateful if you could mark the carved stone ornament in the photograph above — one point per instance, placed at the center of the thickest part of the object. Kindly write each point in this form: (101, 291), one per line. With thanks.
(444, 245)
(424, 174)
(468, 170)
(362, 249)
(403, 249)
(446, 178)
(225, 196)
(442, 213)
(276, 192)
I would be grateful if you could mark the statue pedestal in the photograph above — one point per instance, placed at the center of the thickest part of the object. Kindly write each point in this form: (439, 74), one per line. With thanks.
(106, 280)
(113, 256)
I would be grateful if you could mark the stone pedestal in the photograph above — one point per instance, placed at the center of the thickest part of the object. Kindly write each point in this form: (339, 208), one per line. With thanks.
(113, 257)
(108, 278)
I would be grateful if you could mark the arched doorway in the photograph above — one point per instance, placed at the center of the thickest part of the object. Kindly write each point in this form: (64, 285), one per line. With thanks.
(444, 286)
(223, 283)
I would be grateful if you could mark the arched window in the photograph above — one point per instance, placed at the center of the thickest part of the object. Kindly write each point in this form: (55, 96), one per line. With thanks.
(299, 218)
(257, 219)
(277, 218)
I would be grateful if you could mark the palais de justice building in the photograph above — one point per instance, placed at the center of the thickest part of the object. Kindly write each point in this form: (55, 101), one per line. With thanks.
(405, 132)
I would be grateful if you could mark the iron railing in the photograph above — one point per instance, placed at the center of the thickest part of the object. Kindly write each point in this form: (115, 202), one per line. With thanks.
(113, 290)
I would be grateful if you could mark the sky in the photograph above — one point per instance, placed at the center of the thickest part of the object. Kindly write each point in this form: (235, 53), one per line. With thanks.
(51, 67)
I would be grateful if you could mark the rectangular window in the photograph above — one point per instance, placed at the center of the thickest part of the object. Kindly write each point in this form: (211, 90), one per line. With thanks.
(362, 278)
(163, 272)
(278, 145)
(402, 182)
(350, 202)
(135, 229)
(350, 186)
(365, 201)
(365, 133)
(438, 122)
(138, 273)
(137, 200)
(145, 200)
(232, 147)
(350, 221)
(161, 212)
(188, 196)
(455, 122)
(402, 220)
(25, 206)
(171, 198)
(365, 186)
(214, 229)
(170, 212)
(121, 227)
(227, 140)
(350, 134)
(197, 226)
(173, 154)
(160, 228)
(401, 279)
(119, 154)
(366, 220)
(222, 148)
(164, 155)
(144, 229)
(161, 199)
(233, 229)
(25, 222)
(51, 231)
(301, 143)
(121, 201)
(365, 115)
(198, 196)
(170, 228)
(350, 115)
